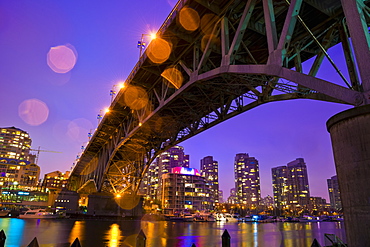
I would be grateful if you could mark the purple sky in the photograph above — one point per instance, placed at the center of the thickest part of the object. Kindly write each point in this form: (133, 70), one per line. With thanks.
(104, 35)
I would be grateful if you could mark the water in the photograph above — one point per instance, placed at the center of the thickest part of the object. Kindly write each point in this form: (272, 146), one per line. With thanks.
(102, 233)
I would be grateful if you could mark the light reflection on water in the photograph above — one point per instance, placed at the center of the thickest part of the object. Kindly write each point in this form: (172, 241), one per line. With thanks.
(62, 232)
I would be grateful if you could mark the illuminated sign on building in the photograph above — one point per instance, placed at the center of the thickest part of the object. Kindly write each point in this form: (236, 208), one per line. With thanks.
(185, 171)
(23, 193)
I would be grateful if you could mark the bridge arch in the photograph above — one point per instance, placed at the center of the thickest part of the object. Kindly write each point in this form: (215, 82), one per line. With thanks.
(254, 56)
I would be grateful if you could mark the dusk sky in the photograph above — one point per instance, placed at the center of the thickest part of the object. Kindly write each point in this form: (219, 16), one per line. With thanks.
(101, 40)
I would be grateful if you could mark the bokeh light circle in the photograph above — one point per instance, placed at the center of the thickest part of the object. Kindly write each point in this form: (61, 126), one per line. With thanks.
(189, 19)
(90, 167)
(136, 97)
(33, 112)
(78, 129)
(128, 201)
(159, 50)
(207, 23)
(212, 39)
(174, 76)
(61, 59)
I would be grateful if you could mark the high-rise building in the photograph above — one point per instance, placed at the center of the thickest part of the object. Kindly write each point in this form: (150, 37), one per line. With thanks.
(334, 193)
(247, 180)
(185, 189)
(280, 186)
(299, 191)
(15, 144)
(209, 170)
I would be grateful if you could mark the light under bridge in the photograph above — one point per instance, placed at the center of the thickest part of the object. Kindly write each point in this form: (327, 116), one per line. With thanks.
(213, 60)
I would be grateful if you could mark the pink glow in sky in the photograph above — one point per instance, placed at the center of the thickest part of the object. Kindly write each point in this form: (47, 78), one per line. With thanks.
(62, 58)
(33, 112)
(105, 35)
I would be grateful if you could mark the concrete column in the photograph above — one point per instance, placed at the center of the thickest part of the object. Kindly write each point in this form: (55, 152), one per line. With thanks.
(350, 137)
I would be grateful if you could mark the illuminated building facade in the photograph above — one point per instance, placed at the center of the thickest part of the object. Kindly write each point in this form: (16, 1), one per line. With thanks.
(55, 180)
(209, 170)
(173, 157)
(15, 144)
(18, 172)
(299, 192)
(280, 186)
(184, 189)
(11, 198)
(318, 205)
(247, 180)
(232, 197)
(267, 201)
(334, 193)
(150, 184)
(221, 196)
(17, 166)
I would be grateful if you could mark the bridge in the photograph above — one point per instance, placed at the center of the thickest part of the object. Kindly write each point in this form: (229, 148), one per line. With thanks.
(214, 59)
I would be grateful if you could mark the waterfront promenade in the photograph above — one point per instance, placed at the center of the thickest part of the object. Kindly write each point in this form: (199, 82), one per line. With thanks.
(113, 233)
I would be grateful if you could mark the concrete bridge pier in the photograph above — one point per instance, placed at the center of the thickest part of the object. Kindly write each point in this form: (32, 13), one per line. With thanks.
(350, 137)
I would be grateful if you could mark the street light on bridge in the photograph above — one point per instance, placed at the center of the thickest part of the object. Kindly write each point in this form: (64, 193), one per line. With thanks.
(115, 89)
(101, 115)
(141, 44)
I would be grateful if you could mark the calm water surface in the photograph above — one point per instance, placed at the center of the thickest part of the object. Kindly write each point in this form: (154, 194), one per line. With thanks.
(102, 233)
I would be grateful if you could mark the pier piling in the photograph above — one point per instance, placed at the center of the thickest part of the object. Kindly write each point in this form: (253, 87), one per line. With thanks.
(2, 238)
(141, 239)
(33, 243)
(315, 243)
(76, 243)
(226, 239)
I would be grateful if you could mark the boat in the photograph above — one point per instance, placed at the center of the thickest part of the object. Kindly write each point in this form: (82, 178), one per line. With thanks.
(38, 214)
(180, 217)
(232, 217)
(4, 213)
(204, 217)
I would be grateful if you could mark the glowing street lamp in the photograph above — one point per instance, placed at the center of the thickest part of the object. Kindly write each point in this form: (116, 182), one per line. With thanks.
(115, 89)
(141, 44)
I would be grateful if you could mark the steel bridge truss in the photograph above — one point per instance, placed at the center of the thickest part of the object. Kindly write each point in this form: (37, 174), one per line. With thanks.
(253, 55)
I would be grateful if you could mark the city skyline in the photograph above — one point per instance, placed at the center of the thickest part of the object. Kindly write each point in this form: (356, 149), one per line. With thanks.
(274, 133)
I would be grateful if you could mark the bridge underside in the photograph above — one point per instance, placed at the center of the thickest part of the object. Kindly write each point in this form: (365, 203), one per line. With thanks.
(246, 53)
